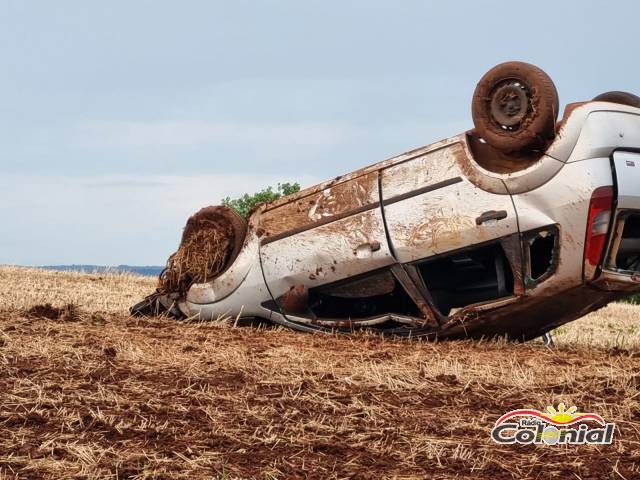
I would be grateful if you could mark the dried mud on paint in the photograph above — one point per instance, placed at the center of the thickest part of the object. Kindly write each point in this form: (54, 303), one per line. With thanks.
(155, 398)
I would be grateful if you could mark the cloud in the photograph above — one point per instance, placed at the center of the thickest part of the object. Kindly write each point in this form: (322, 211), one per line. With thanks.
(129, 182)
(98, 135)
(108, 220)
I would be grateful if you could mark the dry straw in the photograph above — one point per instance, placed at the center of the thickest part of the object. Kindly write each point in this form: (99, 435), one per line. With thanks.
(207, 243)
(105, 395)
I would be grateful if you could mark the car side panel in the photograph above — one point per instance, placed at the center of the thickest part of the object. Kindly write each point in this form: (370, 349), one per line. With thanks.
(348, 240)
(564, 201)
(431, 207)
(336, 201)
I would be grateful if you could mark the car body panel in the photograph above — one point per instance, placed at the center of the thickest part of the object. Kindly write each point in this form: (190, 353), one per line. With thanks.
(329, 235)
(431, 208)
(606, 130)
(564, 201)
(240, 290)
(600, 135)
(340, 200)
(327, 253)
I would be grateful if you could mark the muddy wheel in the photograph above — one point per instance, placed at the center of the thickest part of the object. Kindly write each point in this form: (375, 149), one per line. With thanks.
(623, 98)
(514, 107)
(211, 241)
(222, 219)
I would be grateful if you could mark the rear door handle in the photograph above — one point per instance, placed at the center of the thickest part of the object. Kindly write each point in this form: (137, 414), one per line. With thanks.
(491, 215)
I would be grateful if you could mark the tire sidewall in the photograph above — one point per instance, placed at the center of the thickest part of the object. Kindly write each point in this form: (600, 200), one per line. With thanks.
(537, 128)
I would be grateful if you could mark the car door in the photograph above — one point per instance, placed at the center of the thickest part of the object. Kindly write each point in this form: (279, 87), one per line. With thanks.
(431, 208)
(332, 233)
(459, 241)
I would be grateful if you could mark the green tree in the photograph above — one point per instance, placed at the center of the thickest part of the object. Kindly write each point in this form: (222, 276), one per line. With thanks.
(244, 204)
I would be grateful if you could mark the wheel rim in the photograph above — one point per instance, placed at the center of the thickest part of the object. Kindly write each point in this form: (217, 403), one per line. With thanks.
(509, 104)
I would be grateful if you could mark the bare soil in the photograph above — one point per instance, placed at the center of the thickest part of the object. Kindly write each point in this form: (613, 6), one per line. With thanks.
(104, 395)
(112, 396)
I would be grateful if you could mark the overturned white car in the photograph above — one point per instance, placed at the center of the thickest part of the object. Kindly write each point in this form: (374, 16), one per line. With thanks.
(513, 228)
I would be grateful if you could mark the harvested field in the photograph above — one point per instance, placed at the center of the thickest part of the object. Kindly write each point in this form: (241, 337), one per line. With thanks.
(22, 288)
(97, 394)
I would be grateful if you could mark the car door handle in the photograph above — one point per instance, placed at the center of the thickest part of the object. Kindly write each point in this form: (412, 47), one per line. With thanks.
(491, 215)
(364, 250)
(373, 246)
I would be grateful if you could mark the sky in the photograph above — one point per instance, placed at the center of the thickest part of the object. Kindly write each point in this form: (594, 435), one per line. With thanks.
(119, 119)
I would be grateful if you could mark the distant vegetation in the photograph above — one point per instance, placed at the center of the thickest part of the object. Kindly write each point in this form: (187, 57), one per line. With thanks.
(246, 202)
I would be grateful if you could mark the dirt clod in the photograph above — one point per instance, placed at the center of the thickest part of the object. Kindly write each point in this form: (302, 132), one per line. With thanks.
(110, 352)
(68, 313)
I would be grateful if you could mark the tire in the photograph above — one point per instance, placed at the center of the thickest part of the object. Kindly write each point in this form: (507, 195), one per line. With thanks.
(239, 225)
(514, 107)
(623, 98)
(226, 218)
(211, 241)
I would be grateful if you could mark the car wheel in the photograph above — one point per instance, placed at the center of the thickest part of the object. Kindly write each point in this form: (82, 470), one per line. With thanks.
(623, 98)
(225, 219)
(514, 107)
(211, 241)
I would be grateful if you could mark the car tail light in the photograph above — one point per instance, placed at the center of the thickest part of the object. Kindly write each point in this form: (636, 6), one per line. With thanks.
(599, 218)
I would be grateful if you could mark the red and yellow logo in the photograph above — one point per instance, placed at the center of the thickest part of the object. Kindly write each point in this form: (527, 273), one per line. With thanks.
(553, 426)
